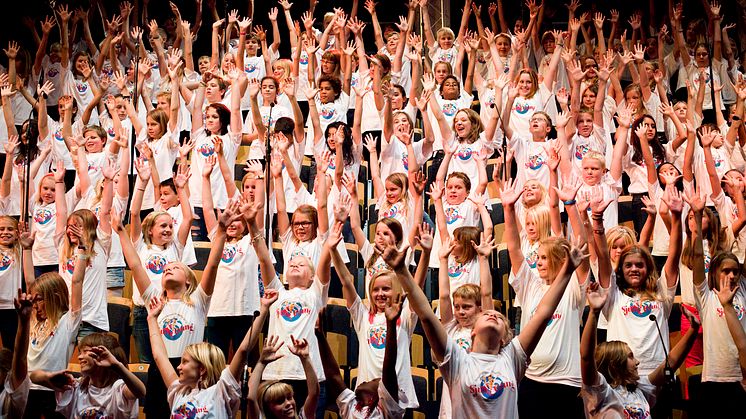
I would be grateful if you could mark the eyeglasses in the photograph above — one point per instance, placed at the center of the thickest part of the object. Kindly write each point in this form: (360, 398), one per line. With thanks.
(304, 224)
(702, 54)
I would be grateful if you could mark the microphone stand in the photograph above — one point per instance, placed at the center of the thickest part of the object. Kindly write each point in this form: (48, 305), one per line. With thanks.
(267, 175)
(668, 372)
(245, 374)
(133, 135)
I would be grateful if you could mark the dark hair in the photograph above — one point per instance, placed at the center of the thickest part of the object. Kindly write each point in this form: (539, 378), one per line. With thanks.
(655, 145)
(285, 125)
(31, 146)
(385, 63)
(334, 81)
(168, 183)
(679, 183)
(449, 77)
(224, 114)
(715, 262)
(347, 145)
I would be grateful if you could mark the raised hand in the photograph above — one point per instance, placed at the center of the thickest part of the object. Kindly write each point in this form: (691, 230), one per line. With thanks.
(300, 347)
(270, 349)
(269, 297)
(695, 200)
(485, 246)
(569, 189)
(649, 206)
(143, 170)
(394, 307)
(597, 296)
(342, 207)
(424, 236)
(508, 194)
(102, 357)
(672, 198)
(156, 306)
(418, 180)
(436, 191)
(394, 257)
(598, 202)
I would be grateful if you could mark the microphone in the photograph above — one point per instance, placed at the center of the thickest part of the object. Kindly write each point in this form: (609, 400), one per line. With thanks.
(667, 370)
(41, 83)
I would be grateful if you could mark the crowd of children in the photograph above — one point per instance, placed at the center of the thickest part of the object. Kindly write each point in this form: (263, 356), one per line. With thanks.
(605, 177)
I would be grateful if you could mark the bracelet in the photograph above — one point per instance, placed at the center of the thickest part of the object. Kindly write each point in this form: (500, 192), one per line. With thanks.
(599, 231)
(257, 236)
(141, 189)
(595, 217)
(570, 202)
(58, 181)
(242, 33)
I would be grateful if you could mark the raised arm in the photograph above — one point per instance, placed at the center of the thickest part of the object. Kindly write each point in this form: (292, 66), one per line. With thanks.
(251, 339)
(335, 236)
(596, 300)
(181, 182)
(511, 236)
(156, 342)
(726, 293)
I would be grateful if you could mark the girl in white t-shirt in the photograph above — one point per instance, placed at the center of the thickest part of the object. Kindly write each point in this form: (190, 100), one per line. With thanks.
(81, 228)
(107, 388)
(636, 291)
(612, 385)
(203, 382)
(14, 373)
(484, 382)
(459, 310)
(11, 269)
(396, 140)
(458, 258)
(553, 374)
(369, 320)
(54, 326)
(156, 244)
(726, 295)
(273, 399)
(237, 292)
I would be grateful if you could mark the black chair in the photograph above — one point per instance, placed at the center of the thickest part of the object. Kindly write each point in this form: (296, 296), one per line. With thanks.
(119, 310)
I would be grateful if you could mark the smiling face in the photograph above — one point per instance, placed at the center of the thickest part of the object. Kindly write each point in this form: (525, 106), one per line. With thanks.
(585, 123)
(503, 46)
(532, 193)
(667, 170)
(632, 364)
(162, 231)
(391, 42)
(8, 233)
(168, 197)
(445, 40)
(47, 190)
(190, 370)
(93, 143)
(441, 71)
(635, 270)
(589, 98)
(451, 89)
(282, 408)
(462, 124)
(86, 359)
(616, 250)
(525, 84)
(393, 192)
(381, 292)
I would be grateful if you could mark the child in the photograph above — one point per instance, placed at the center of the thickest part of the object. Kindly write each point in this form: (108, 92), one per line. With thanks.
(15, 391)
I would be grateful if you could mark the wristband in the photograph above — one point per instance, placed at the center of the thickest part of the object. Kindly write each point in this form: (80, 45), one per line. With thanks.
(257, 236)
(570, 202)
(141, 189)
(58, 181)
(736, 118)
(242, 33)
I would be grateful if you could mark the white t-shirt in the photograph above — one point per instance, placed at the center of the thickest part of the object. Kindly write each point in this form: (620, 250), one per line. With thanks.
(165, 150)
(204, 148)
(721, 355)
(446, 55)
(95, 402)
(291, 248)
(44, 223)
(188, 256)
(524, 108)
(531, 158)
(53, 352)
(59, 148)
(464, 214)
(484, 385)
(603, 401)
(16, 398)
(219, 401)
(582, 145)
(395, 159)
(629, 322)
(55, 73)
(295, 313)
(449, 109)
(10, 276)
(181, 324)
(728, 213)
(556, 358)
(388, 408)
(154, 260)
(335, 111)
(462, 273)
(236, 291)
(371, 333)
(462, 337)
(94, 306)
(464, 159)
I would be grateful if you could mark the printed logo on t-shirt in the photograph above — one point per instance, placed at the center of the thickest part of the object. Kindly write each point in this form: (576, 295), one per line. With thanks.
(42, 216)
(707, 263)
(378, 266)
(303, 58)
(327, 112)
(532, 259)
(229, 253)
(718, 161)
(452, 215)
(455, 270)
(291, 310)
(555, 316)
(187, 411)
(490, 386)
(156, 264)
(110, 132)
(535, 162)
(93, 413)
(446, 56)
(464, 344)
(173, 326)
(581, 150)
(354, 80)
(523, 108)
(58, 136)
(249, 68)
(52, 72)
(640, 308)
(635, 411)
(81, 87)
(5, 262)
(740, 311)
(392, 212)
(449, 109)
(69, 266)
(464, 153)
(405, 161)
(377, 337)
(206, 149)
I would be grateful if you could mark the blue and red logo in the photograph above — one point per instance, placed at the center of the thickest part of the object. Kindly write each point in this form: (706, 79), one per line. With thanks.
(377, 337)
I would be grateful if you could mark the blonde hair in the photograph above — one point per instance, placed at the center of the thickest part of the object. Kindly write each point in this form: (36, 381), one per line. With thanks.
(210, 357)
(53, 290)
(14, 224)
(39, 186)
(395, 285)
(147, 225)
(191, 282)
(534, 82)
(466, 235)
(273, 392)
(476, 125)
(540, 215)
(649, 290)
(89, 223)
(444, 30)
(595, 155)
(557, 249)
(401, 181)
(542, 188)
(611, 361)
(469, 292)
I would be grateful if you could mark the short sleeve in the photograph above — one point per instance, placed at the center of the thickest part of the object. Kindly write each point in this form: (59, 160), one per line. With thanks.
(120, 402)
(346, 402)
(390, 407)
(600, 396)
(18, 396)
(518, 357)
(65, 399)
(357, 313)
(228, 387)
(648, 390)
